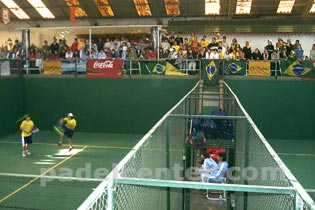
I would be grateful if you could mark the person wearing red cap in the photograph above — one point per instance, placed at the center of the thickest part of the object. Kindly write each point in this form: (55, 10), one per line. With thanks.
(69, 125)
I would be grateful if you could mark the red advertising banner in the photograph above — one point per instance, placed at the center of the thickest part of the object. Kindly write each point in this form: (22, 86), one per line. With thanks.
(104, 68)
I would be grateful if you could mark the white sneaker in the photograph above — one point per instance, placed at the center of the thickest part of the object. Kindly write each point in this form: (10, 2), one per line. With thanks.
(24, 154)
(27, 152)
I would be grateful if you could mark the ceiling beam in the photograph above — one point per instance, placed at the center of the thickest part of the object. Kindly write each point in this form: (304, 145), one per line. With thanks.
(157, 8)
(123, 8)
(90, 8)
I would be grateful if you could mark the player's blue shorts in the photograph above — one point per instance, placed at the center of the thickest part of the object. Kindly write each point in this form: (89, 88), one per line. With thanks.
(26, 140)
(68, 133)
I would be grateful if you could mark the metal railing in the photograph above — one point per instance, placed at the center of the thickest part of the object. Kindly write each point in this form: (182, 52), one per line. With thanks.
(130, 66)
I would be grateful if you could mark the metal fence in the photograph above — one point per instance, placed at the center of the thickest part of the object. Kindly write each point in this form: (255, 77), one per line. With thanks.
(147, 178)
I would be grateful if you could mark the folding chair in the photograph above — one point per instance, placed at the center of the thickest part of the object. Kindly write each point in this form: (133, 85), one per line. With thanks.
(222, 180)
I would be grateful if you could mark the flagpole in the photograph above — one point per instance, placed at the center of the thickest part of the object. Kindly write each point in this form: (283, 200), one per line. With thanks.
(158, 41)
(90, 40)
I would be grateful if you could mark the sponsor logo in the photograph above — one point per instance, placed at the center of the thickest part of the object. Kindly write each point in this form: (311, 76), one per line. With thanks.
(108, 64)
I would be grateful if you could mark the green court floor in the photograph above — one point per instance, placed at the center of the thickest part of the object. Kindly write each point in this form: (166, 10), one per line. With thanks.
(299, 157)
(94, 155)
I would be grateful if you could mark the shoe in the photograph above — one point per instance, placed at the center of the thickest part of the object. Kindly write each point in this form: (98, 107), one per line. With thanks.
(70, 148)
(27, 152)
(23, 154)
(59, 144)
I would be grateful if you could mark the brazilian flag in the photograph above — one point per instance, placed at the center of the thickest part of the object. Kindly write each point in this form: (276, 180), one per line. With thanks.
(294, 68)
(210, 70)
(159, 68)
(237, 67)
(152, 67)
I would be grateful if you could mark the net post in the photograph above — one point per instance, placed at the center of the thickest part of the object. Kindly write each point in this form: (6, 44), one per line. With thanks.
(111, 196)
(167, 158)
(299, 204)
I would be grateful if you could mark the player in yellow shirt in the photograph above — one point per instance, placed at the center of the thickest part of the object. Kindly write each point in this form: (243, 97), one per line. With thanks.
(69, 125)
(26, 128)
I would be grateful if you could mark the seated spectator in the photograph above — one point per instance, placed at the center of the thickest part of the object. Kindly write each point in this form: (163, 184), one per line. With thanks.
(32, 54)
(93, 54)
(240, 54)
(172, 56)
(132, 54)
(292, 55)
(69, 54)
(101, 54)
(150, 54)
(195, 45)
(218, 175)
(274, 55)
(86, 55)
(208, 166)
(204, 42)
(228, 56)
(213, 44)
(312, 52)
(214, 54)
(161, 53)
(11, 55)
(55, 55)
(74, 45)
(2, 53)
(256, 55)
(122, 51)
(62, 54)
(247, 49)
(191, 55)
(270, 48)
(114, 54)
(221, 52)
(265, 55)
(31, 58)
(180, 63)
(207, 53)
(76, 54)
(214, 151)
(234, 54)
(283, 54)
(165, 44)
(299, 52)
(39, 58)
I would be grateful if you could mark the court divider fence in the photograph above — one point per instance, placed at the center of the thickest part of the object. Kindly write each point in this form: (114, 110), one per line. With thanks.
(155, 174)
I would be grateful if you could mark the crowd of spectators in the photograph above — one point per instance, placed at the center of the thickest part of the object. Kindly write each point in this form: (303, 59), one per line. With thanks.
(172, 47)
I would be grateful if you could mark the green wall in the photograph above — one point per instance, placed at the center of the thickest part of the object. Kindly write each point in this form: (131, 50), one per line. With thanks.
(280, 109)
(104, 105)
(11, 104)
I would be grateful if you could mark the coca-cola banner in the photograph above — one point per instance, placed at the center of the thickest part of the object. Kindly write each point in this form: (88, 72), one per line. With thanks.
(104, 68)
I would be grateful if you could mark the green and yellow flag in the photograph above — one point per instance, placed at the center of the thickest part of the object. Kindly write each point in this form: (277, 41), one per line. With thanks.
(211, 69)
(152, 67)
(296, 68)
(236, 67)
(173, 71)
(159, 68)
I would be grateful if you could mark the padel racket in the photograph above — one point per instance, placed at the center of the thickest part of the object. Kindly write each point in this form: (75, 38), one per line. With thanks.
(58, 129)
(21, 118)
(35, 129)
